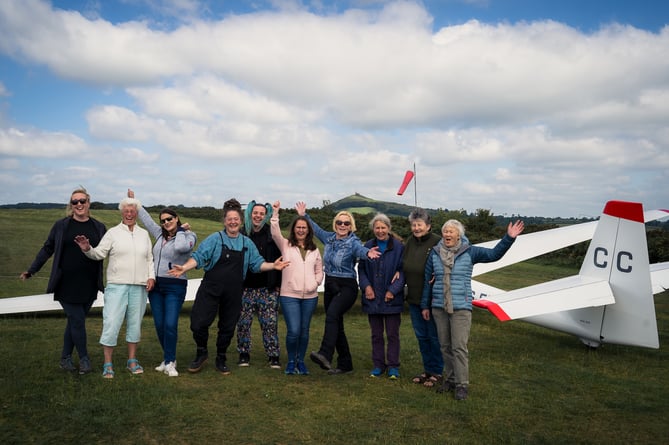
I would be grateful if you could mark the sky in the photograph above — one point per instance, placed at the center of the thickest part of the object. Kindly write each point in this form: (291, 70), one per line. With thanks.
(520, 107)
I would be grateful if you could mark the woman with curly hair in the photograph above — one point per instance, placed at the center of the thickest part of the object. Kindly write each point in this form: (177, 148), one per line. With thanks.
(226, 257)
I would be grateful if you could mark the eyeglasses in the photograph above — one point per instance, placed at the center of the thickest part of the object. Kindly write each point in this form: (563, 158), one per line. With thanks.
(343, 223)
(166, 220)
(74, 202)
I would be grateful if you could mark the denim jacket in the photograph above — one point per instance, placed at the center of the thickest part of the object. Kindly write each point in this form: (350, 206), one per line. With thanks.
(339, 255)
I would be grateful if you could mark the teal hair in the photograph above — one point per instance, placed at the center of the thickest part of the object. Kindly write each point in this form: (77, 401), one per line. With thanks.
(248, 224)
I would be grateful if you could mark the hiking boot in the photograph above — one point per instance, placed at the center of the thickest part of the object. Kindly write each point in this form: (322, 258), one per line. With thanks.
(290, 369)
(171, 369)
(460, 392)
(220, 364)
(201, 357)
(446, 386)
(85, 366)
(302, 368)
(274, 363)
(244, 359)
(66, 364)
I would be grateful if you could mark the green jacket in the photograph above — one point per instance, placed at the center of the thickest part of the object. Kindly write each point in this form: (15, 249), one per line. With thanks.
(416, 252)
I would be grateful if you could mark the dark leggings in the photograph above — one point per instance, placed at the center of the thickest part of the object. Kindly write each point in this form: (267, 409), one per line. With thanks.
(75, 329)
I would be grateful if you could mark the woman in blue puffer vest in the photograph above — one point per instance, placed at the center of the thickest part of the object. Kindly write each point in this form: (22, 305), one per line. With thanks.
(447, 295)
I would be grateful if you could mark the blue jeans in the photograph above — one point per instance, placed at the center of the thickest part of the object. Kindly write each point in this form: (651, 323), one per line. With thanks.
(428, 341)
(297, 312)
(166, 300)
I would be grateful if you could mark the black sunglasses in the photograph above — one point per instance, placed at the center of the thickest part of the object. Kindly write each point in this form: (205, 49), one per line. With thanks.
(343, 223)
(74, 202)
(166, 220)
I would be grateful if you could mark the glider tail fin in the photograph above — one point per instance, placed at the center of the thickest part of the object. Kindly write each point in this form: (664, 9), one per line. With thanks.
(619, 253)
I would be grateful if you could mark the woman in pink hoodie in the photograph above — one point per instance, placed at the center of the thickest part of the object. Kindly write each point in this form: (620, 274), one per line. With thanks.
(299, 285)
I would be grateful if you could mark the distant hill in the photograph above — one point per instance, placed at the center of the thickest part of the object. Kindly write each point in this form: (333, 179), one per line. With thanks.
(363, 205)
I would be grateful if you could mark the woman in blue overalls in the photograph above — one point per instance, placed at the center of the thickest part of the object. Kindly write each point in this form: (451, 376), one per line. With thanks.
(226, 256)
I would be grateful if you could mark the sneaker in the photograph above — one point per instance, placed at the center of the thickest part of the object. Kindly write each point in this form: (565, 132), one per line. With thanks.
(290, 369)
(460, 392)
(320, 360)
(393, 373)
(339, 371)
(302, 368)
(171, 369)
(201, 358)
(376, 372)
(221, 366)
(274, 363)
(244, 359)
(161, 367)
(85, 366)
(66, 364)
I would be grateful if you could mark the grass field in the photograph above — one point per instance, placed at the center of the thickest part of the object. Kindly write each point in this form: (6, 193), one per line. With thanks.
(528, 384)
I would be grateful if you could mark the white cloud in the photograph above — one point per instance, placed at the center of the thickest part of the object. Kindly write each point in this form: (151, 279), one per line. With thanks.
(503, 116)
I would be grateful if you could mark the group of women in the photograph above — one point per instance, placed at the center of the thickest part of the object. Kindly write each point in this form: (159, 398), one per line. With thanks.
(432, 273)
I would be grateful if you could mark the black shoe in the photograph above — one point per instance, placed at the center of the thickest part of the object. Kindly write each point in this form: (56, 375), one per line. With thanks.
(221, 366)
(85, 366)
(201, 357)
(446, 386)
(320, 360)
(66, 364)
(339, 371)
(460, 392)
(274, 363)
(244, 359)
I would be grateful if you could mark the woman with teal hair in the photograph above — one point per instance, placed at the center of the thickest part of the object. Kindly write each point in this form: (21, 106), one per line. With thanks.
(261, 290)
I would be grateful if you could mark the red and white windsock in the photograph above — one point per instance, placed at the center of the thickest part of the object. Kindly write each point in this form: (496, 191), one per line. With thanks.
(408, 176)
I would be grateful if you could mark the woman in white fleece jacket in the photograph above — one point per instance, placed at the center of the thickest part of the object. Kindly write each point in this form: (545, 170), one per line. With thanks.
(299, 285)
(130, 275)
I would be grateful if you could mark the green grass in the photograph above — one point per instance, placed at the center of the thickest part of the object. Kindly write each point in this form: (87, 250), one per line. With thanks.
(528, 384)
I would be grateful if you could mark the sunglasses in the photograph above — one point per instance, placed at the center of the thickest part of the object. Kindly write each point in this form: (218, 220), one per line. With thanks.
(74, 202)
(343, 223)
(166, 220)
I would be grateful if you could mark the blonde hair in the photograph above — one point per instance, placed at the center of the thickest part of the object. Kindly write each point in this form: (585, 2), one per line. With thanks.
(344, 213)
(68, 208)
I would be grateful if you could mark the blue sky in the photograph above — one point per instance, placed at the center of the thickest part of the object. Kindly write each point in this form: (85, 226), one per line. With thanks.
(518, 106)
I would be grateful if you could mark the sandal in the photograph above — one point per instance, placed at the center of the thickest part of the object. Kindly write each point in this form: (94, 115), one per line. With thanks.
(108, 371)
(420, 378)
(134, 367)
(432, 381)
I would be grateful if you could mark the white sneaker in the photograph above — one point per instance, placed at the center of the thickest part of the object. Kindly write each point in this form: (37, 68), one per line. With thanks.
(171, 369)
(161, 367)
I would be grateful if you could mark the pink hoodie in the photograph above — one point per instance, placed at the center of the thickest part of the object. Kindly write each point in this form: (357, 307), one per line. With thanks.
(303, 276)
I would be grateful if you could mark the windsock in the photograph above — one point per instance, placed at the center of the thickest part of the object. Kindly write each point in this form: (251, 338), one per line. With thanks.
(408, 176)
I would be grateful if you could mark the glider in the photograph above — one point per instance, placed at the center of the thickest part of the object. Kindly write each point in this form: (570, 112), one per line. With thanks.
(609, 301)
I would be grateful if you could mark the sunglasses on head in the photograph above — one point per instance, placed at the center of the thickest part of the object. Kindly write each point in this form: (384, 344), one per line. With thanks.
(166, 220)
(74, 202)
(343, 223)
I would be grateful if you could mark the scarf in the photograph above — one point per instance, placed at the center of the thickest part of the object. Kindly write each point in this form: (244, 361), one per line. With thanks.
(447, 256)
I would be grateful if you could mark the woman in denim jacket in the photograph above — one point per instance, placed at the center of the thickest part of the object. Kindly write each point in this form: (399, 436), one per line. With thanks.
(341, 252)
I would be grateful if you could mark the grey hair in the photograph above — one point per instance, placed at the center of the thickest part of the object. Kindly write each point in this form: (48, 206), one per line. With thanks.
(454, 223)
(380, 217)
(421, 214)
(125, 202)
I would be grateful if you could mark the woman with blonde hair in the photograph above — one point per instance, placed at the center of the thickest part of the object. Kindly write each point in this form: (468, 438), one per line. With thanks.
(341, 252)
(75, 280)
